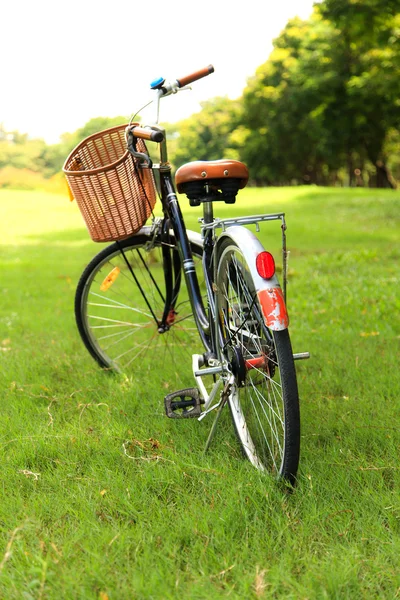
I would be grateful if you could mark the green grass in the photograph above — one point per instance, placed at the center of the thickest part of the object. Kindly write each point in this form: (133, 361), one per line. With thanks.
(103, 497)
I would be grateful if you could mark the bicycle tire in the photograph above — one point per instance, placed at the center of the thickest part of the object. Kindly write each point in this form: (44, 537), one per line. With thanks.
(115, 319)
(264, 400)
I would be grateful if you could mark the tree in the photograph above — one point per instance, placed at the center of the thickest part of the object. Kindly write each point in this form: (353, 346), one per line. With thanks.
(57, 153)
(286, 107)
(370, 45)
(328, 95)
(209, 134)
(18, 151)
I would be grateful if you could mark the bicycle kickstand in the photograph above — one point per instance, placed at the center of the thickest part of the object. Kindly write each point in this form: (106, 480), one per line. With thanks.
(224, 398)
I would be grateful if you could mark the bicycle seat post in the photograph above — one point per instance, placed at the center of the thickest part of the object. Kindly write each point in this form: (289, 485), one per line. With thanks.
(208, 213)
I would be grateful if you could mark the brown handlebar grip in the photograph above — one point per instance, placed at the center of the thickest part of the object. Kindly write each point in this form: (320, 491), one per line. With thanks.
(147, 134)
(195, 76)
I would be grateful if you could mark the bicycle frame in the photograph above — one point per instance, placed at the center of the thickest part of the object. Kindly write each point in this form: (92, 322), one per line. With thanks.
(269, 291)
(174, 218)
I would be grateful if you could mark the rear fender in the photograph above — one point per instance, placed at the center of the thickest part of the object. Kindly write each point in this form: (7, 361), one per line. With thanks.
(269, 291)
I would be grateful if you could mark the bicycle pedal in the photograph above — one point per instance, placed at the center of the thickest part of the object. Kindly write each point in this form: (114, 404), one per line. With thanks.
(183, 404)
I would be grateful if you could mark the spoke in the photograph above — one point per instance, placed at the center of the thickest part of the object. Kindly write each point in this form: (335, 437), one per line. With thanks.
(121, 324)
(241, 317)
(265, 401)
(144, 346)
(135, 346)
(114, 304)
(262, 401)
(176, 326)
(190, 316)
(139, 286)
(265, 437)
(266, 377)
(126, 323)
(278, 398)
(146, 267)
(120, 339)
(118, 291)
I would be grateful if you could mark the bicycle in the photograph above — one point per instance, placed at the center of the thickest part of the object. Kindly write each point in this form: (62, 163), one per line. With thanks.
(132, 295)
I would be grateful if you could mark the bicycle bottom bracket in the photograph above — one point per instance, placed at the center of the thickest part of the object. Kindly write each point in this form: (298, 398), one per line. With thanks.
(183, 404)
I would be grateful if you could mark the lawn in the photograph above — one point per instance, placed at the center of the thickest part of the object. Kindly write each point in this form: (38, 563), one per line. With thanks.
(103, 497)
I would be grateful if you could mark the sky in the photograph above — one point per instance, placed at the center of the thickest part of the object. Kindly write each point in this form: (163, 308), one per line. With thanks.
(64, 63)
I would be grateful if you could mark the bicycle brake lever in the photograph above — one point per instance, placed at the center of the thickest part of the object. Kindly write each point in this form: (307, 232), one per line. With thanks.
(182, 89)
(144, 159)
(162, 92)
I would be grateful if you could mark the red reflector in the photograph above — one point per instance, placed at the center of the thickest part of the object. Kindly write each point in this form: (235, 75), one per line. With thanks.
(265, 265)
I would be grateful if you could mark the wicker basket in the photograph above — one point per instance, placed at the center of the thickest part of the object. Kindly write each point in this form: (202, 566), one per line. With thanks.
(114, 195)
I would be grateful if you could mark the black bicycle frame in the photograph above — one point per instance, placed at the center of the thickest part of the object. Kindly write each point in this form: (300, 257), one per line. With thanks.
(173, 216)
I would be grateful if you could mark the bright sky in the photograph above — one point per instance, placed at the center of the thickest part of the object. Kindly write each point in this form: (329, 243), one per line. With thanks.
(66, 62)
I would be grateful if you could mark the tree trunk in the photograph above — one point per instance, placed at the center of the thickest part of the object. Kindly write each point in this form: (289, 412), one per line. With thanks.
(384, 178)
(350, 169)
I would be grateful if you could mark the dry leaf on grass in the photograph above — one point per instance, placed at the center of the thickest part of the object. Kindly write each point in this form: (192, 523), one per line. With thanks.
(259, 582)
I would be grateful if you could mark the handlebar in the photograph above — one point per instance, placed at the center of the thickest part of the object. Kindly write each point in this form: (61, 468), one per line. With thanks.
(195, 76)
(162, 88)
(145, 133)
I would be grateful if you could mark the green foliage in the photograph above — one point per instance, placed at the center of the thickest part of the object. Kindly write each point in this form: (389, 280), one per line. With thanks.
(284, 120)
(17, 151)
(392, 151)
(363, 14)
(370, 35)
(327, 97)
(210, 134)
(70, 140)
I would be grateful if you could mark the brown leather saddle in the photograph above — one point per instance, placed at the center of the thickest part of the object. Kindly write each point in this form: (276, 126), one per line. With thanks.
(210, 180)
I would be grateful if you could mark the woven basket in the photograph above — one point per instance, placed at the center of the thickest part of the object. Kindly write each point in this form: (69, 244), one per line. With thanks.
(114, 195)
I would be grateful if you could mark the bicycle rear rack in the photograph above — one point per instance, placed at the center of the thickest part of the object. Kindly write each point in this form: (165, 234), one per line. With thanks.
(256, 220)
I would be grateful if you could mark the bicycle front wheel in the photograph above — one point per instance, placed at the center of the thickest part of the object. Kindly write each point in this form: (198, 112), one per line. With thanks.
(119, 303)
(264, 400)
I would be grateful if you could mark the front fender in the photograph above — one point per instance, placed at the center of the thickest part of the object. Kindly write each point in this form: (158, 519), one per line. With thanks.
(268, 291)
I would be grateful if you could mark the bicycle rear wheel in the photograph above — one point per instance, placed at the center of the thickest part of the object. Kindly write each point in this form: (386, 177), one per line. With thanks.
(119, 302)
(264, 400)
